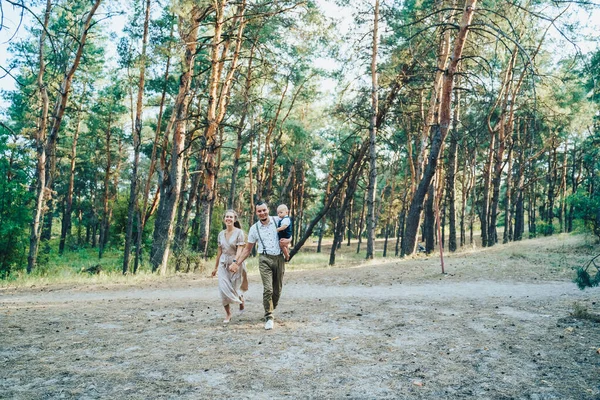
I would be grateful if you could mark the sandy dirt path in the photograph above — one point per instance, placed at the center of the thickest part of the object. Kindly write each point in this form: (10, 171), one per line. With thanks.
(391, 330)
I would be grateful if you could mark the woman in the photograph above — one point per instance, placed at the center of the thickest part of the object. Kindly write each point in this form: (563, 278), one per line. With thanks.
(232, 281)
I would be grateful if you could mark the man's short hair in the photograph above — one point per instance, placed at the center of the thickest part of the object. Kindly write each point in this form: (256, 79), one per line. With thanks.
(260, 203)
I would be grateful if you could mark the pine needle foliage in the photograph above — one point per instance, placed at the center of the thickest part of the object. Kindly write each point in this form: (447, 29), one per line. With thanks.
(584, 279)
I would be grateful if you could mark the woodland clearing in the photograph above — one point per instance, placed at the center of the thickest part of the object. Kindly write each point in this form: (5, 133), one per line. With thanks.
(503, 322)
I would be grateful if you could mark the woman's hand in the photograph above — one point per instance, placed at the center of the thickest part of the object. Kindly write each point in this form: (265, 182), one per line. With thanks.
(234, 267)
(214, 272)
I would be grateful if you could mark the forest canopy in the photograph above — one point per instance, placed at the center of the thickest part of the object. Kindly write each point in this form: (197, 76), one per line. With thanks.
(130, 128)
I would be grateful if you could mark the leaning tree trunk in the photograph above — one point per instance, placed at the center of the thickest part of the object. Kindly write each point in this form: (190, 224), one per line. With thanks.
(409, 241)
(341, 212)
(327, 203)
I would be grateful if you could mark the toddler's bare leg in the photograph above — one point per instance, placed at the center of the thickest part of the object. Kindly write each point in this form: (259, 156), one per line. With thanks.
(285, 250)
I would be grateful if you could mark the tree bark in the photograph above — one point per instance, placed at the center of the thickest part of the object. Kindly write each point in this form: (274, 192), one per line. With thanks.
(429, 223)
(132, 215)
(451, 178)
(170, 184)
(66, 220)
(217, 107)
(145, 213)
(372, 186)
(40, 144)
(104, 225)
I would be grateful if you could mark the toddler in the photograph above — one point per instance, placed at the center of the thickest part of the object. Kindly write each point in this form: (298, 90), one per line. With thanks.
(284, 229)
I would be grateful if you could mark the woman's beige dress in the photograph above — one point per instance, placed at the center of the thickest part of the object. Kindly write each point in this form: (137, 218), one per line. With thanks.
(229, 282)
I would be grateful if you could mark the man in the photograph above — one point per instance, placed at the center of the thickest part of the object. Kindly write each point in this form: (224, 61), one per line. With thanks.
(271, 263)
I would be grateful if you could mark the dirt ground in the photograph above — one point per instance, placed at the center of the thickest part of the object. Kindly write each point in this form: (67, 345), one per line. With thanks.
(498, 325)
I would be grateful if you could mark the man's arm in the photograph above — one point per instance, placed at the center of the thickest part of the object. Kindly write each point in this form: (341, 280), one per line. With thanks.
(245, 253)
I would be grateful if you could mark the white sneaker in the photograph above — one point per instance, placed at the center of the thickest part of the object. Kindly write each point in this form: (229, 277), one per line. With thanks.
(269, 324)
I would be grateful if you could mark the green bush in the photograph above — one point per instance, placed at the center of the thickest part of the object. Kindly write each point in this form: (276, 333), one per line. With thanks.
(587, 208)
(15, 206)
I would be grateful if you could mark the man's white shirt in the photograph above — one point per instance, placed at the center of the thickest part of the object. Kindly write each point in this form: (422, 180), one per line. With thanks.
(269, 236)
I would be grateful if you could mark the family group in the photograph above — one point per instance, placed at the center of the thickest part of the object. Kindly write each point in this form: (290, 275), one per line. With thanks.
(273, 235)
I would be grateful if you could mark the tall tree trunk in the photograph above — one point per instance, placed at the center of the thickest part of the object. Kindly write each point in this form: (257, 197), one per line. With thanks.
(562, 190)
(507, 237)
(59, 109)
(519, 226)
(400, 231)
(451, 178)
(217, 106)
(240, 130)
(361, 222)
(532, 204)
(552, 177)
(145, 213)
(40, 144)
(503, 125)
(429, 223)
(372, 186)
(132, 215)
(575, 179)
(66, 220)
(187, 200)
(349, 223)
(170, 184)
(104, 225)
(485, 192)
(388, 208)
(115, 186)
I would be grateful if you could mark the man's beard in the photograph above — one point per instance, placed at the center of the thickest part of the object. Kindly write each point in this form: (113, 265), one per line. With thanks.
(266, 217)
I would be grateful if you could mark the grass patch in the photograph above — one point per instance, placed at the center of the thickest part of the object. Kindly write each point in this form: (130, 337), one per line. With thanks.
(581, 312)
(71, 267)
